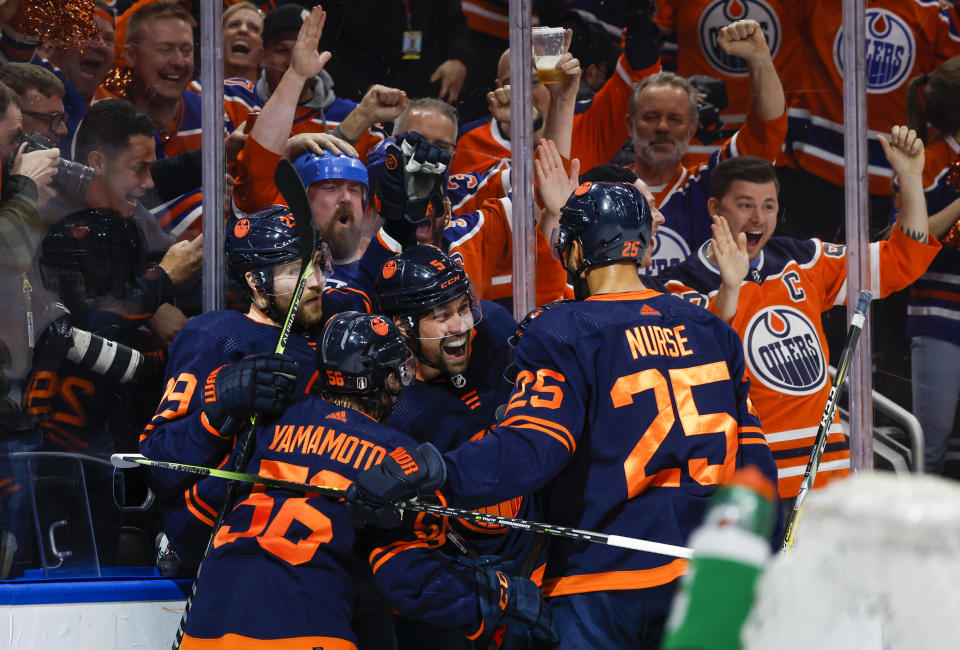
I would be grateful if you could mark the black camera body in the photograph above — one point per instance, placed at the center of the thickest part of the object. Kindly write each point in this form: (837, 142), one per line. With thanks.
(72, 177)
(714, 101)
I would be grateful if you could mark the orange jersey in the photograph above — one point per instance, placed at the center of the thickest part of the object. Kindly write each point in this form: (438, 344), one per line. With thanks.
(598, 132)
(253, 187)
(693, 33)
(240, 99)
(905, 38)
(779, 320)
(481, 242)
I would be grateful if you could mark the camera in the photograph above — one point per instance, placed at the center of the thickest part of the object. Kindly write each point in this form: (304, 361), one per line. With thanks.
(714, 101)
(72, 177)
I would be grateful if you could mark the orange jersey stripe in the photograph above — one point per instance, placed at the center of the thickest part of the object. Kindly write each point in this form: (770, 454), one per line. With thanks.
(613, 580)
(238, 642)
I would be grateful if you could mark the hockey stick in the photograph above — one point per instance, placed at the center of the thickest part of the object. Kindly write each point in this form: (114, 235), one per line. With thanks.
(810, 474)
(287, 180)
(132, 460)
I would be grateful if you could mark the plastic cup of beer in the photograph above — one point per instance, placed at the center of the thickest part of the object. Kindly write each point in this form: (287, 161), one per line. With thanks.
(547, 50)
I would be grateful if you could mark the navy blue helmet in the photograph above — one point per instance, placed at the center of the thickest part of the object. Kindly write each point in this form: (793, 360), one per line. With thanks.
(612, 222)
(359, 351)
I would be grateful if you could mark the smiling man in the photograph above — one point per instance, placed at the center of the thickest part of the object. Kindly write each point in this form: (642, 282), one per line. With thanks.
(159, 53)
(776, 289)
(662, 118)
(242, 41)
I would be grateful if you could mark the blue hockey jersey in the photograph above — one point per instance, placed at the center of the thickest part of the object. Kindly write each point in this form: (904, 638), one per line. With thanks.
(629, 410)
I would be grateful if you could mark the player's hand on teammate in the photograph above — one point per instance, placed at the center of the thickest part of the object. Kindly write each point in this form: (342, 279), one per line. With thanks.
(306, 61)
(904, 151)
(730, 252)
(511, 600)
(259, 384)
(404, 474)
(744, 38)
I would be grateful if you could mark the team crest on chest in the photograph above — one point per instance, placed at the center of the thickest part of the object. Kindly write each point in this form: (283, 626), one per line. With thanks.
(669, 249)
(891, 51)
(783, 351)
(721, 13)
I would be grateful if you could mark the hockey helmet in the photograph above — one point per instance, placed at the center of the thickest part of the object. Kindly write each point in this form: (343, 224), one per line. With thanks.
(359, 351)
(263, 240)
(313, 167)
(420, 280)
(91, 253)
(612, 222)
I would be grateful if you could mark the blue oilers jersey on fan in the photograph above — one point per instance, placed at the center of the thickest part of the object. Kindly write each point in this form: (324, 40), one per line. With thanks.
(286, 566)
(629, 410)
(180, 432)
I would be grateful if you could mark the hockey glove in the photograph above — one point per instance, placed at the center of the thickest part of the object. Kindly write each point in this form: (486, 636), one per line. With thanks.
(262, 383)
(410, 181)
(403, 475)
(512, 601)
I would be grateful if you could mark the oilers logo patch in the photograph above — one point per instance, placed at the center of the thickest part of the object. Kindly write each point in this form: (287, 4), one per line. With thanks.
(721, 13)
(891, 51)
(783, 351)
(669, 249)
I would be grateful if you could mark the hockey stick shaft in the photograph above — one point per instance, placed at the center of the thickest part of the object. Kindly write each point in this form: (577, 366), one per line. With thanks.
(129, 460)
(291, 187)
(813, 465)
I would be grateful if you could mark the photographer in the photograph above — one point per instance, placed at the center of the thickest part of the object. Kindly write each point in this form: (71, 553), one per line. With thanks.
(116, 141)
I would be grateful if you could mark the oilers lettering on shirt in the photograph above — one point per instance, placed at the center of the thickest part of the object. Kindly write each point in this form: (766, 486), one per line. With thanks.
(891, 50)
(783, 351)
(670, 248)
(723, 12)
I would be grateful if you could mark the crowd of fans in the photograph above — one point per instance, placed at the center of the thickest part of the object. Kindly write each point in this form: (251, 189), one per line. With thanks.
(100, 203)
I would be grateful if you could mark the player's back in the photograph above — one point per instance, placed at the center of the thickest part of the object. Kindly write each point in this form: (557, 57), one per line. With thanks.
(650, 390)
(296, 548)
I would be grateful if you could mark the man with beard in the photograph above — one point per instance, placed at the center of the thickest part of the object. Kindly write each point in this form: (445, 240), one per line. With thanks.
(222, 364)
(662, 119)
(462, 355)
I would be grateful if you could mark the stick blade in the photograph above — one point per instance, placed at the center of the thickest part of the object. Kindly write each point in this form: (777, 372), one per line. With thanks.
(287, 180)
(126, 461)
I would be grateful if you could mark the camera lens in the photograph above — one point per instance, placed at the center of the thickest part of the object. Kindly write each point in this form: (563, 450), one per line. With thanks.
(73, 177)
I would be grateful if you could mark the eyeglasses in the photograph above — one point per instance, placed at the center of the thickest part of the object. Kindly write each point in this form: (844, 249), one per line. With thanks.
(54, 120)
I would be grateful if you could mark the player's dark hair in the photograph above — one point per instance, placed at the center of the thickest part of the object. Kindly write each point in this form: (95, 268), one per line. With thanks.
(108, 126)
(933, 98)
(741, 168)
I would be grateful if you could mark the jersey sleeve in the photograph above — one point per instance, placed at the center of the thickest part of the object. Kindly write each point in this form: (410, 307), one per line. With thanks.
(757, 137)
(537, 435)
(420, 581)
(179, 430)
(478, 241)
(254, 187)
(600, 131)
(894, 264)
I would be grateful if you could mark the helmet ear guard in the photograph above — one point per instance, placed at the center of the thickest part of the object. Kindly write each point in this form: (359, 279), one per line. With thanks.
(359, 352)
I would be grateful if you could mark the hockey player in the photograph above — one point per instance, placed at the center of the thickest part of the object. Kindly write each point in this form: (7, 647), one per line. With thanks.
(285, 566)
(222, 363)
(781, 288)
(629, 410)
(463, 356)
